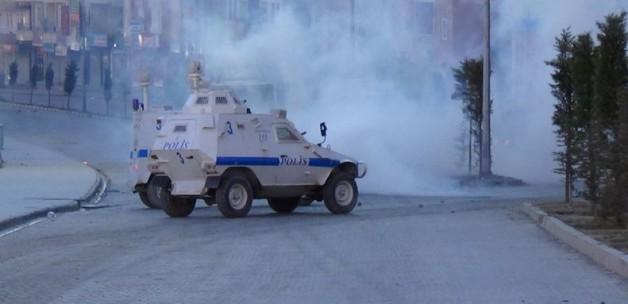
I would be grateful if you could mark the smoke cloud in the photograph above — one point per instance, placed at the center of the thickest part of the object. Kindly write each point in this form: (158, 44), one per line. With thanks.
(394, 112)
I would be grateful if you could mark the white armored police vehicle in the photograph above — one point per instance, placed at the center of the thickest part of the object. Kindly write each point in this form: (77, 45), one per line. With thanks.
(217, 150)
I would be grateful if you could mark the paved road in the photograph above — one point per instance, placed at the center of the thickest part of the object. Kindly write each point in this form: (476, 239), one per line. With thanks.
(390, 250)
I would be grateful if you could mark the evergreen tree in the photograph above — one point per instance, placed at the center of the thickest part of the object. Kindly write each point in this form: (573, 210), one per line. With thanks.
(107, 88)
(586, 149)
(13, 73)
(468, 89)
(69, 82)
(615, 195)
(610, 77)
(612, 72)
(564, 110)
(50, 76)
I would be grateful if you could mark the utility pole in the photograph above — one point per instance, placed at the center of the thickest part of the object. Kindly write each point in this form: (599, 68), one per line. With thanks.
(485, 150)
(352, 26)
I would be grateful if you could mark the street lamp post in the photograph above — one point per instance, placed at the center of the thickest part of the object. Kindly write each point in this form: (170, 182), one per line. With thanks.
(485, 149)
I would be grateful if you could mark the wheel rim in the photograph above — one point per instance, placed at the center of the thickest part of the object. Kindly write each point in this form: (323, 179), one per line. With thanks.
(237, 196)
(343, 193)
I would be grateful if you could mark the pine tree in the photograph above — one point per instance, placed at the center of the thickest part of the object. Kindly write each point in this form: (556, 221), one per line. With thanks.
(468, 89)
(69, 82)
(564, 111)
(50, 76)
(612, 72)
(586, 151)
(610, 77)
(616, 191)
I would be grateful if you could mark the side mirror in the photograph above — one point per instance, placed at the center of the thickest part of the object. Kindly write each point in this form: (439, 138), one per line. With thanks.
(323, 134)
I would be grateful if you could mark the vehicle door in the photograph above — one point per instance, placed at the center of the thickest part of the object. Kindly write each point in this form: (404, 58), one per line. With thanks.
(180, 142)
(293, 156)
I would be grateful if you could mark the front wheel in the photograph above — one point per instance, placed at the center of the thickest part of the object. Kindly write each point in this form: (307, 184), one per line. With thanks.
(340, 193)
(234, 196)
(283, 205)
(175, 206)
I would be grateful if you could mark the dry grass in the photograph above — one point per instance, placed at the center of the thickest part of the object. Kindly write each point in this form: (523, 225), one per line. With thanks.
(580, 216)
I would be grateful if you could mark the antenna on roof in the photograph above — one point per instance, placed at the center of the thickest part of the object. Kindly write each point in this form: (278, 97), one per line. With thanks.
(144, 82)
(196, 75)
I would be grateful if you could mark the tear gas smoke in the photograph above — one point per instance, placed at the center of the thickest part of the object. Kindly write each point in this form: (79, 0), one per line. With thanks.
(393, 109)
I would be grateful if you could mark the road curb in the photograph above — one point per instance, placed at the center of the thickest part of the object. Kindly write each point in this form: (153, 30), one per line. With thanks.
(92, 196)
(612, 259)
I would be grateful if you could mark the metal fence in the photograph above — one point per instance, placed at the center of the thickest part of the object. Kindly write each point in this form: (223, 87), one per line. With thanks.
(91, 102)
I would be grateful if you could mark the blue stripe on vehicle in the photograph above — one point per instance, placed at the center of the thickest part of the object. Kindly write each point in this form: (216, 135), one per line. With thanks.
(247, 161)
(323, 162)
(142, 153)
(270, 161)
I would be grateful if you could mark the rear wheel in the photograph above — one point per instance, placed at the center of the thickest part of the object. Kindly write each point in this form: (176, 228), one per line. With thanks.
(154, 195)
(175, 206)
(283, 205)
(145, 200)
(151, 196)
(234, 196)
(340, 193)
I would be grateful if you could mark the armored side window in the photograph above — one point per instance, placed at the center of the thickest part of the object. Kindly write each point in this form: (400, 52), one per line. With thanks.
(202, 101)
(285, 134)
(180, 128)
(221, 100)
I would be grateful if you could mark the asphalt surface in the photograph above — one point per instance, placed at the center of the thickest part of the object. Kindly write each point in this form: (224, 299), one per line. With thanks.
(391, 249)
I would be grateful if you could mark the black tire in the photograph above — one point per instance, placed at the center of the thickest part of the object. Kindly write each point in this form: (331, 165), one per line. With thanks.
(284, 205)
(176, 206)
(146, 200)
(340, 200)
(154, 195)
(234, 196)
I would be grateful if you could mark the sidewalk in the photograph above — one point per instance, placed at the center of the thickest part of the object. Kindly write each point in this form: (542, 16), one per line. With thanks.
(34, 181)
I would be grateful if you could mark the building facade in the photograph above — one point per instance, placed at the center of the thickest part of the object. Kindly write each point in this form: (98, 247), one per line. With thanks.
(55, 32)
(130, 35)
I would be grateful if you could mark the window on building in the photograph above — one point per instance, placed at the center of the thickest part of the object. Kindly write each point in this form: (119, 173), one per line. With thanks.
(444, 29)
(424, 15)
(180, 128)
